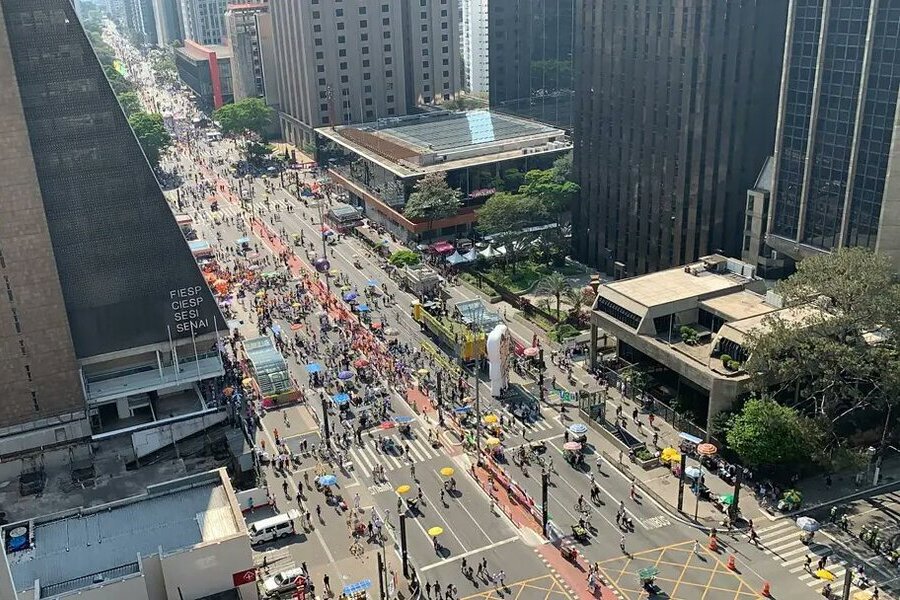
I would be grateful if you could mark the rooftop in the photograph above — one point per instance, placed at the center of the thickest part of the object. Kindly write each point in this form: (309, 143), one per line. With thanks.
(739, 305)
(443, 140)
(201, 52)
(69, 549)
(672, 285)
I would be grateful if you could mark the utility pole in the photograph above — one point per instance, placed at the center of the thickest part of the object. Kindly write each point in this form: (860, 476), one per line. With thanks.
(381, 577)
(545, 510)
(440, 400)
(541, 374)
(327, 426)
(404, 556)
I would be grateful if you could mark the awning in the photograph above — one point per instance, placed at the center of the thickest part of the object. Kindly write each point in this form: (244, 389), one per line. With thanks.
(456, 258)
(442, 247)
(691, 438)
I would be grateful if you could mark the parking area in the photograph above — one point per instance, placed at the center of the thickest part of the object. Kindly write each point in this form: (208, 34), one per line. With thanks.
(683, 574)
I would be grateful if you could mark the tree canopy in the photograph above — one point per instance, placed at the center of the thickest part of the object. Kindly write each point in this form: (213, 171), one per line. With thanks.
(401, 258)
(152, 135)
(555, 285)
(251, 115)
(130, 103)
(766, 433)
(505, 212)
(840, 360)
(553, 193)
(117, 81)
(433, 199)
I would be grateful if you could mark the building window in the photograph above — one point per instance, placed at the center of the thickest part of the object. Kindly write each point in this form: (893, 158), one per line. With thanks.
(367, 76)
(320, 68)
(344, 79)
(323, 106)
(343, 66)
(390, 98)
(325, 119)
(367, 89)
(317, 28)
(340, 26)
(366, 62)
(368, 102)
(389, 73)
(387, 47)
(323, 95)
(318, 41)
(425, 64)
(342, 39)
(423, 15)
(316, 14)
(385, 8)
(364, 37)
(426, 99)
(427, 88)
(362, 10)
(391, 111)
(339, 12)
(424, 51)
(386, 22)
(386, 35)
(363, 23)
(365, 49)
(320, 55)
(343, 53)
(370, 115)
(388, 60)
(321, 81)
(426, 76)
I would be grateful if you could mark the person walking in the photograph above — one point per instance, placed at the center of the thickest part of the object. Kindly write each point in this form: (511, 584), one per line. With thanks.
(326, 583)
(622, 544)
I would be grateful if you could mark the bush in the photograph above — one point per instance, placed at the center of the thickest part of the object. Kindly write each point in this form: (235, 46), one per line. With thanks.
(402, 258)
(643, 454)
(688, 335)
(563, 332)
(726, 359)
(734, 365)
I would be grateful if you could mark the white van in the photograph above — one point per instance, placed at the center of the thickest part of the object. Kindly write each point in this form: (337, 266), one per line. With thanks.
(273, 527)
(286, 581)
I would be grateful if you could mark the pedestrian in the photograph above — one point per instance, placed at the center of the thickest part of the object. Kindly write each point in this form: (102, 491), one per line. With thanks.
(327, 584)
(428, 590)
(696, 548)
(319, 512)
(622, 543)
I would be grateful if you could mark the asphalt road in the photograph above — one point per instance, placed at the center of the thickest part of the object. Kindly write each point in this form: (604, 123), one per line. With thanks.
(472, 531)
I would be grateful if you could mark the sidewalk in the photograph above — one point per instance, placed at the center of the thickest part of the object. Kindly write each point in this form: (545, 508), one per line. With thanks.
(659, 482)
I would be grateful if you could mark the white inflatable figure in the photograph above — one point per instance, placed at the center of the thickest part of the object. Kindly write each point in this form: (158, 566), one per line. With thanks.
(498, 359)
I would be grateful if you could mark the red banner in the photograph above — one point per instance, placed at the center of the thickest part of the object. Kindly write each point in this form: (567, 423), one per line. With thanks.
(243, 577)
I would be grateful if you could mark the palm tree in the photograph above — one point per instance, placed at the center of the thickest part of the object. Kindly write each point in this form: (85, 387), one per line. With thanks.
(575, 297)
(554, 285)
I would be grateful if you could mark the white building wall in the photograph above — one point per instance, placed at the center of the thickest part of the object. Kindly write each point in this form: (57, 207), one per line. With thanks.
(475, 44)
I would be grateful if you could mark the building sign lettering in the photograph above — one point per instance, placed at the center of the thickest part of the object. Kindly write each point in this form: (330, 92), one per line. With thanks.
(185, 304)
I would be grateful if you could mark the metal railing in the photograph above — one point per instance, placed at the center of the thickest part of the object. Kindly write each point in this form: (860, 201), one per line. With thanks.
(99, 577)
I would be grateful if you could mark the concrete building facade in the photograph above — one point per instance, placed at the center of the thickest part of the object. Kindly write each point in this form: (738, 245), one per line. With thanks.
(249, 32)
(837, 151)
(361, 60)
(207, 71)
(674, 104)
(204, 21)
(474, 45)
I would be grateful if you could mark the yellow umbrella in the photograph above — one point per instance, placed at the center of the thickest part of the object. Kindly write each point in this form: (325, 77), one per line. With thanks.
(448, 471)
(403, 489)
(490, 419)
(863, 595)
(435, 531)
(492, 441)
(296, 305)
(825, 574)
(261, 294)
(247, 381)
(667, 454)
(422, 372)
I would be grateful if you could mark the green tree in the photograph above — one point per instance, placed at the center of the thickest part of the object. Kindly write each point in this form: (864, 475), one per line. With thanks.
(504, 212)
(768, 434)
(152, 135)
(562, 167)
(251, 115)
(130, 102)
(257, 151)
(554, 285)
(117, 81)
(432, 199)
(578, 298)
(402, 258)
(554, 194)
(836, 357)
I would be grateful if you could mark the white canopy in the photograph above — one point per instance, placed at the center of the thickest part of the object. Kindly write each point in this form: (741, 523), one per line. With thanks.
(489, 252)
(471, 255)
(456, 258)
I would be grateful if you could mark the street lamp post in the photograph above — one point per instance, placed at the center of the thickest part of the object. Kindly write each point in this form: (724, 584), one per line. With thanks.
(404, 555)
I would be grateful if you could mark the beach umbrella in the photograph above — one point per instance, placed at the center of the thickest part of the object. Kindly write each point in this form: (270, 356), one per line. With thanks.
(363, 308)
(313, 368)
(247, 381)
(448, 471)
(462, 409)
(492, 441)
(327, 480)
(435, 531)
(341, 399)
(361, 363)
(490, 419)
(345, 375)
(578, 428)
(372, 282)
(402, 419)
(403, 489)
(648, 572)
(670, 455)
(825, 574)
(422, 372)
(572, 446)
(350, 296)
(531, 351)
(692, 473)
(727, 499)
(808, 524)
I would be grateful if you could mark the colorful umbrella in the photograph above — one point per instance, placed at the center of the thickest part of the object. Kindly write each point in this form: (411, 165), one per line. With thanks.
(313, 368)
(363, 308)
(531, 351)
(327, 480)
(692, 473)
(448, 471)
(648, 572)
(793, 497)
(727, 499)
(402, 419)
(572, 446)
(492, 441)
(345, 375)
(361, 363)
(578, 428)
(247, 381)
(403, 489)
(341, 399)
(490, 419)
(435, 531)
(825, 574)
(350, 296)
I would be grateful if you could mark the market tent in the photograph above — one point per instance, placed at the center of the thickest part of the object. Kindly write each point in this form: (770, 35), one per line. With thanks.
(442, 247)
(456, 259)
(471, 255)
(489, 252)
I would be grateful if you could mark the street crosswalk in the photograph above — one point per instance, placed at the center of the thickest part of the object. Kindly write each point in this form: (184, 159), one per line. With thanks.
(782, 542)
(368, 455)
(537, 426)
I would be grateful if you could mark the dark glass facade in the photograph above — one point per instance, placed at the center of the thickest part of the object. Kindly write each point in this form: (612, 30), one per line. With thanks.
(675, 108)
(838, 105)
(128, 277)
(531, 50)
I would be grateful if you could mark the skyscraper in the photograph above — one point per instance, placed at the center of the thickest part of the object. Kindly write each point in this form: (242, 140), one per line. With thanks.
(531, 59)
(675, 108)
(249, 28)
(837, 152)
(100, 292)
(474, 44)
(361, 60)
(204, 21)
(168, 21)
